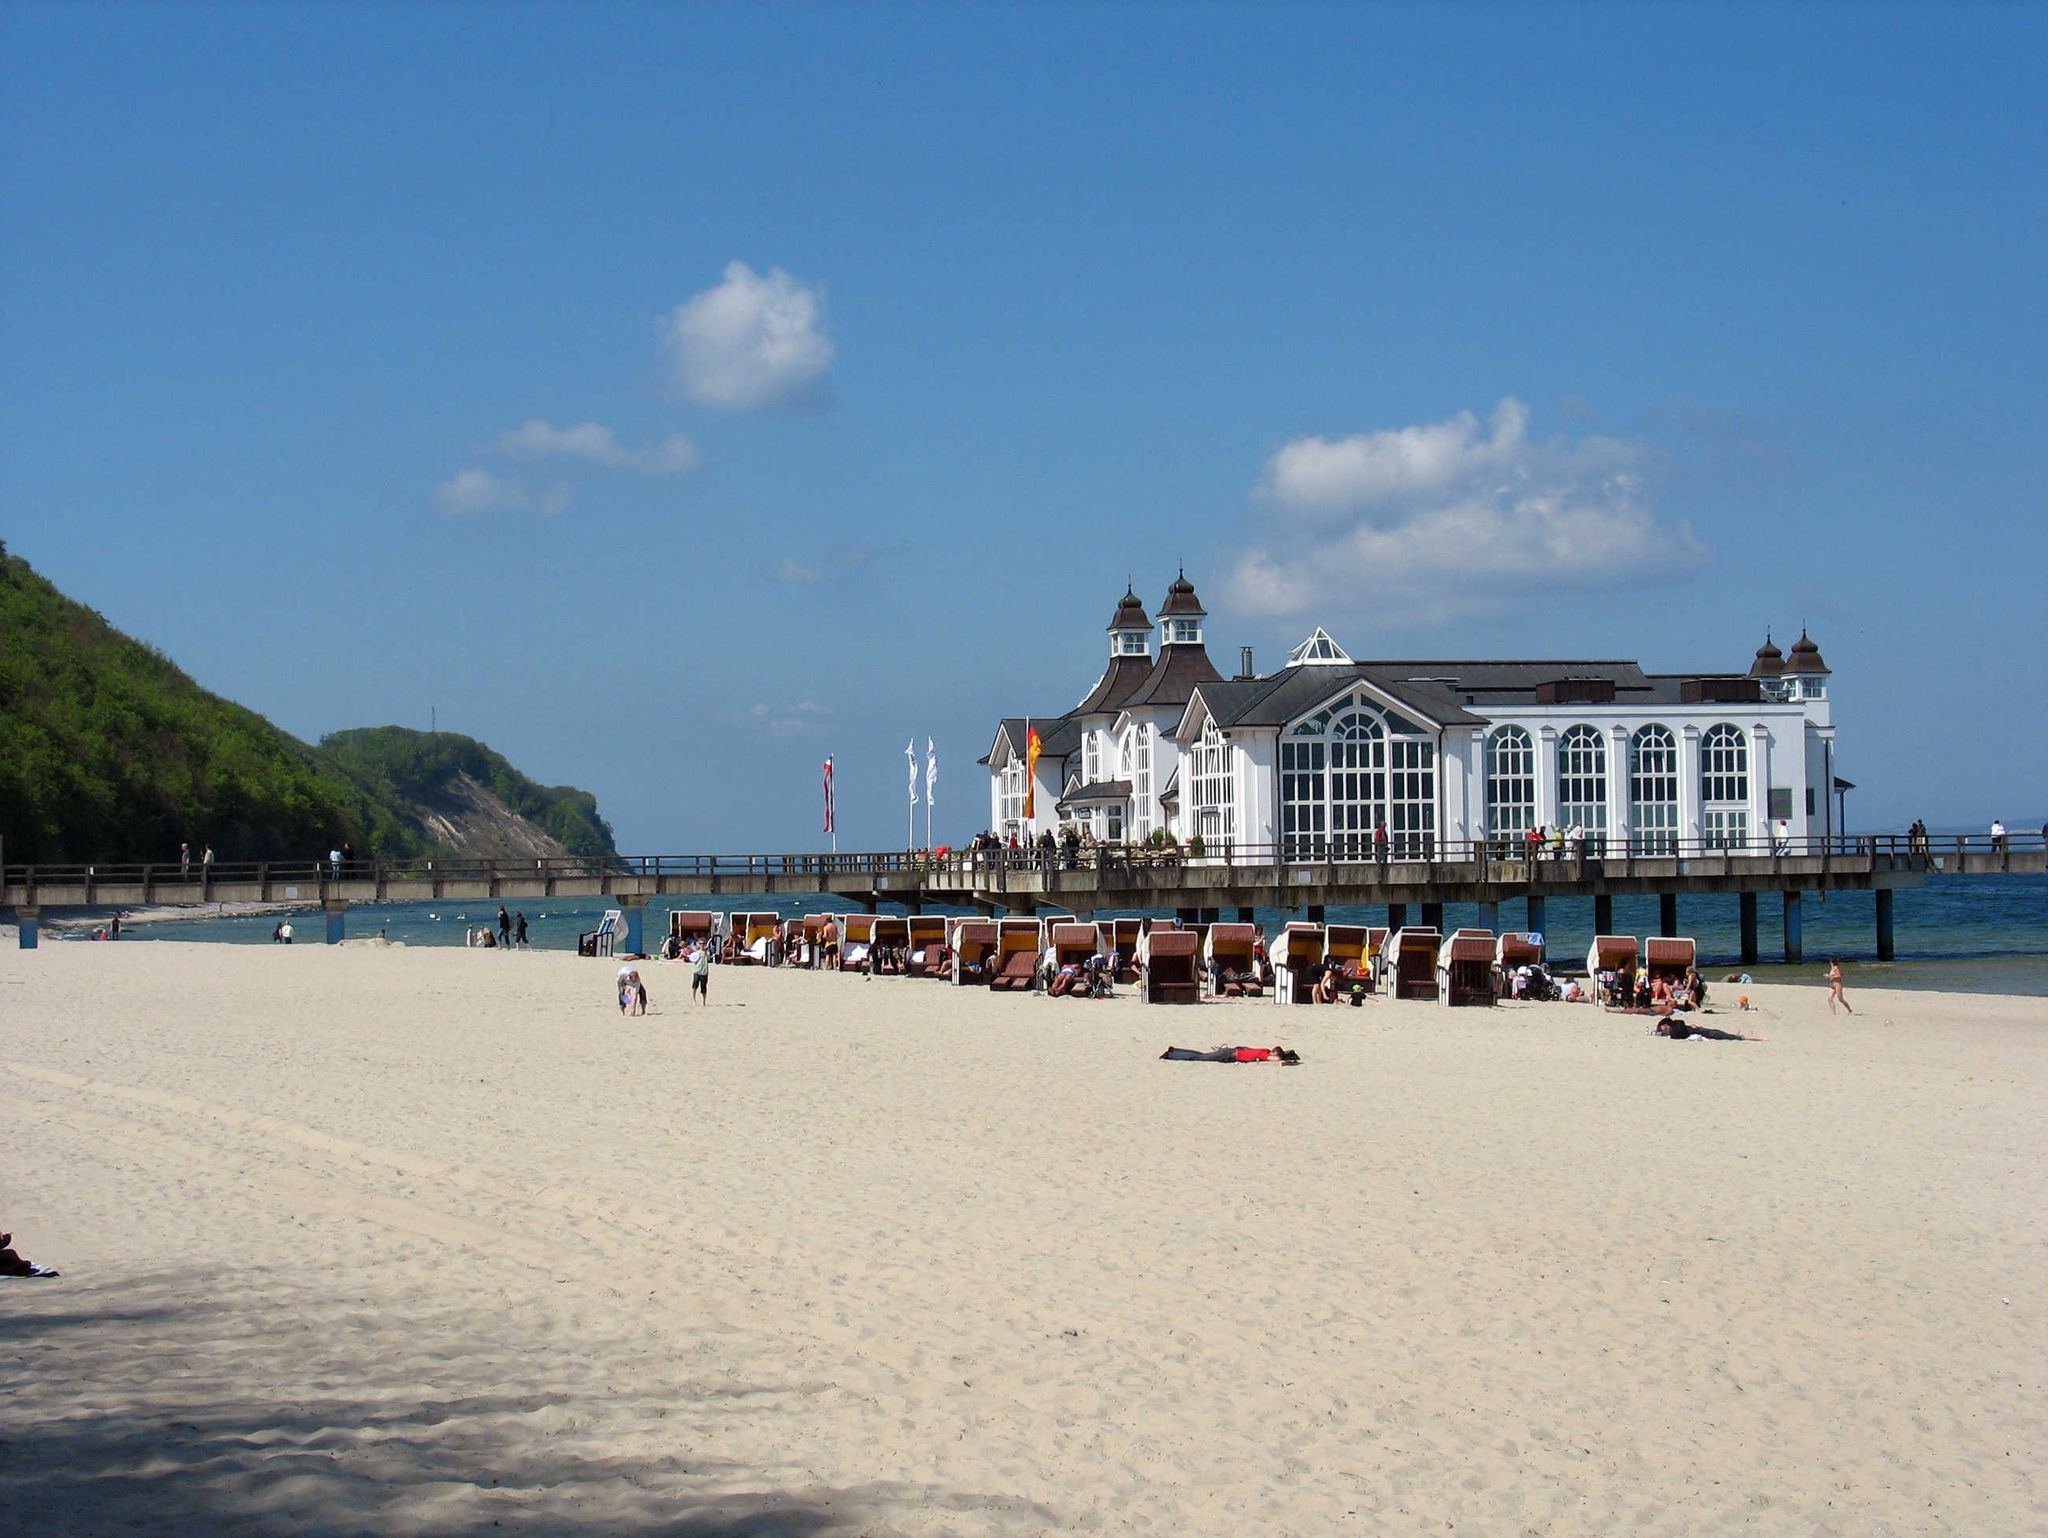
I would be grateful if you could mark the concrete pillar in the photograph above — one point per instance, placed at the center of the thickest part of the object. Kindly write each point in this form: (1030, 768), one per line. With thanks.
(632, 910)
(1489, 916)
(1536, 914)
(1795, 938)
(30, 922)
(336, 909)
(1667, 914)
(1603, 913)
(1689, 788)
(1315, 913)
(1397, 915)
(1884, 923)
(1747, 903)
(1433, 916)
(1244, 916)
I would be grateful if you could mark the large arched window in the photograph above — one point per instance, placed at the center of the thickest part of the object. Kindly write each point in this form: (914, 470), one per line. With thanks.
(1653, 790)
(1510, 789)
(1724, 787)
(1582, 784)
(1137, 755)
(1349, 769)
(1210, 799)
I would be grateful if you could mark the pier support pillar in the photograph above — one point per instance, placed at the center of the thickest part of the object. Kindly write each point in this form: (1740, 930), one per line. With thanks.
(632, 910)
(1433, 916)
(1747, 903)
(336, 909)
(1489, 916)
(1315, 913)
(1536, 914)
(1397, 916)
(1603, 913)
(29, 922)
(1795, 937)
(1667, 914)
(1244, 916)
(1884, 923)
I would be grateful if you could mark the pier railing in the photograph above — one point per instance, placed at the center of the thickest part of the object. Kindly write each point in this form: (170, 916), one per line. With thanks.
(967, 868)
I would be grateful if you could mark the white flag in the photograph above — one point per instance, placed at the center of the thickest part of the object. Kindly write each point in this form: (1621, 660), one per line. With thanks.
(910, 758)
(931, 769)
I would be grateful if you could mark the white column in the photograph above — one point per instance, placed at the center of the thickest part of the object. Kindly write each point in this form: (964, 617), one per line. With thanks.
(1546, 776)
(1759, 786)
(1617, 787)
(1689, 785)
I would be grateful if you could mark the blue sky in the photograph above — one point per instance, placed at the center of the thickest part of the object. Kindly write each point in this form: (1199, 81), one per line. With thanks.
(671, 396)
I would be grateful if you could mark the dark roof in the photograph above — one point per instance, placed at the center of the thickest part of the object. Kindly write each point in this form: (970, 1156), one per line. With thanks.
(1058, 736)
(1294, 691)
(1181, 599)
(1130, 612)
(1119, 681)
(1513, 682)
(1174, 677)
(1770, 662)
(1099, 791)
(1805, 656)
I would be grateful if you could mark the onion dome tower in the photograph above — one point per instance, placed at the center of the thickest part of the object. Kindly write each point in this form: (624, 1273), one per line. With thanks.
(1805, 656)
(1129, 630)
(1181, 615)
(1770, 662)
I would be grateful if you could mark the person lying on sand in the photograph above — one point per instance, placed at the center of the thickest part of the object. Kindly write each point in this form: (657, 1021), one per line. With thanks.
(1679, 1030)
(1231, 1055)
(12, 1264)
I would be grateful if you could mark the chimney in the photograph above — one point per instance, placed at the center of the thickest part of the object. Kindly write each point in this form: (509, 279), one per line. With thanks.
(1244, 663)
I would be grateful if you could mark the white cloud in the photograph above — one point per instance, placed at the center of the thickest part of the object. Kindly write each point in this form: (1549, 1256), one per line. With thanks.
(474, 492)
(1422, 523)
(793, 573)
(806, 718)
(477, 491)
(756, 339)
(598, 445)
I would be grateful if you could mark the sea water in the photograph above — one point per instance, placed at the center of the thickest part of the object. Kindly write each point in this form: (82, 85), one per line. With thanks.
(1967, 934)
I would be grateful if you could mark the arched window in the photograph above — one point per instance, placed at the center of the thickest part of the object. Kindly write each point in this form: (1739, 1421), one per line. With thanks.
(1724, 787)
(1358, 782)
(1653, 790)
(1582, 784)
(1349, 769)
(1210, 800)
(1510, 789)
(1137, 755)
(1013, 796)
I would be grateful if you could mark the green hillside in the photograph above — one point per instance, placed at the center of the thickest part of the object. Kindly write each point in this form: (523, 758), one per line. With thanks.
(109, 752)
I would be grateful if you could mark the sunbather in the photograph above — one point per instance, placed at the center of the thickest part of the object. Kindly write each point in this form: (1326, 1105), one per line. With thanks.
(1231, 1055)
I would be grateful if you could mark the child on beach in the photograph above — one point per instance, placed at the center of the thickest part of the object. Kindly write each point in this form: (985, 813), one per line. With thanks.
(700, 977)
(1835, 986)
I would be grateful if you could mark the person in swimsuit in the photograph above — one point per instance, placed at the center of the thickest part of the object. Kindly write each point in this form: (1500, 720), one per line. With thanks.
(1835, 986)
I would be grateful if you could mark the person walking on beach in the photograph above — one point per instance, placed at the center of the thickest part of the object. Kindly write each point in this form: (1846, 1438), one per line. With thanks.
(519, 928)
(504, 926)
(700, 976)
(1835, 986)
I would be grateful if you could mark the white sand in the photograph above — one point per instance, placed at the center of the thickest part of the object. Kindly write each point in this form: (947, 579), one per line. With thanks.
(432, 1241)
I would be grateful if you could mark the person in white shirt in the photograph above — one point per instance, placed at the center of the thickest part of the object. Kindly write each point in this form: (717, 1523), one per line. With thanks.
(1781, 835)
(1997, 836)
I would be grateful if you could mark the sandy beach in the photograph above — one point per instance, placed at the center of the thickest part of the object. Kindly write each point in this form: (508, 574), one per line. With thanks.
(403, 1241)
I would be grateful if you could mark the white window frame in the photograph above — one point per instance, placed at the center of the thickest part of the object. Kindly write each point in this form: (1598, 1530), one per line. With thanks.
(1653, 775)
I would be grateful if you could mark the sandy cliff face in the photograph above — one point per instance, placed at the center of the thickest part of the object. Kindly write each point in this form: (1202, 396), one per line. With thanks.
(465, 815)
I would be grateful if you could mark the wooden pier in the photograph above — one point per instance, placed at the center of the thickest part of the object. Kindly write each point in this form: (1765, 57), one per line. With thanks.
(1236, 877)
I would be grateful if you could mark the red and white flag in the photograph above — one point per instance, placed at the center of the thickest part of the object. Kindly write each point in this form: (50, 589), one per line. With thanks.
(828, 796)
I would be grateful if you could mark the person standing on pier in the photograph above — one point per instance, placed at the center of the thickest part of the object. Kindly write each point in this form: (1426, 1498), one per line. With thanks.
(184, 861)
(206, 865)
